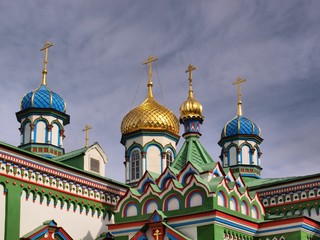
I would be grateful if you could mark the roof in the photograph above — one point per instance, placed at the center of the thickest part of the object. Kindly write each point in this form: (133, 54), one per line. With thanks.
(71, 154)
(240, 125)
(192, 151)
(42, 97)
(59, 163)
(270, 182)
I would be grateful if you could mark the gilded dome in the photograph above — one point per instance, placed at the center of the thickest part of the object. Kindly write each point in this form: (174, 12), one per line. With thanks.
(191, 108)
(150, 115)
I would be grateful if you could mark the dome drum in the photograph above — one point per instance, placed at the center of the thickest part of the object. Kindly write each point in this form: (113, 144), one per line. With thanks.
(42, 112)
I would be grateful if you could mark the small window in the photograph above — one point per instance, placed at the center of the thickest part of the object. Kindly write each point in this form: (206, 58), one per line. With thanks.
(135, 165)
(169, 158)
(94, 165)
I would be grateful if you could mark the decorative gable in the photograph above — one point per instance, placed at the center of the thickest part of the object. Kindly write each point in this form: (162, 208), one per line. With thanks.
(48, 231)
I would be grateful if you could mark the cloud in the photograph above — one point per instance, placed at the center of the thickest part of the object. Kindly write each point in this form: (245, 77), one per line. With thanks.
(96, 66)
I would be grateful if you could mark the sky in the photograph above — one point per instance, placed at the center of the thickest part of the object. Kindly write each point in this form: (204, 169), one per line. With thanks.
(96, 66)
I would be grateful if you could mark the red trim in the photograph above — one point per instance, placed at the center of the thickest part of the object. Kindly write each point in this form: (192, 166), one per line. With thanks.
(138, 235)
(189, 217)
(58, 173)
(289, 189)
(174, 234)
(290, 221)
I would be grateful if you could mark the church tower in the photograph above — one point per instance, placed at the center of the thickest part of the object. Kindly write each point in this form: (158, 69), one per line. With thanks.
(150, 133)
(42, 117)
(191, 117)
(240, 142)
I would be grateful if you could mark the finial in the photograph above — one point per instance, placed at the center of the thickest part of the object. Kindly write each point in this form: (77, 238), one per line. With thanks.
(149, 61)
(190, 69)
(238, 82)
(86, 129)
(45, 61)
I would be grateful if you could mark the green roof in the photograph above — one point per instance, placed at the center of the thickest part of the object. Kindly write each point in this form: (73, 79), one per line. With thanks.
(192, 151)
(271, 182)
(71, 154)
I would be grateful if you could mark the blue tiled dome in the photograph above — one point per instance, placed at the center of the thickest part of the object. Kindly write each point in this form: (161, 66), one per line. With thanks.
(42, 97)
(240, 125)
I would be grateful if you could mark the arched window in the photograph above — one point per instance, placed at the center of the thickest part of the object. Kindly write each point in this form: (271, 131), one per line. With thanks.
(55, 134)
(172, 203)
(26, 133)
(244, 208)
(150, 206)
(233, 204)
(169, 158)
(135, 164)
(222, 200)
(40, 132)
(130, 210)
(255, 212)
(194, 199)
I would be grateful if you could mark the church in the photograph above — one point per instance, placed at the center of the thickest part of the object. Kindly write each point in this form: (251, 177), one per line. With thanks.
(168, 193)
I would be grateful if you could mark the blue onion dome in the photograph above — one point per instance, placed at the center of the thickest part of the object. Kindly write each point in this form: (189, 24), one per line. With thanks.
(240, 126)
(42, 97)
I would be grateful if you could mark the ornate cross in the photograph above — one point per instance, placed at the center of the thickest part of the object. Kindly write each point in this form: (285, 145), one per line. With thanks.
(190, 69)
(149, 61)
(45, 48)
(157, 233)
(86, 129)
(238, 82)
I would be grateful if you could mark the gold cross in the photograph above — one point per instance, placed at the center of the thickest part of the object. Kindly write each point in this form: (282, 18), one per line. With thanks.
(45, 48)
(157, 233)
(238, 82)
(149, 61)
(190, 69)
(86, 129)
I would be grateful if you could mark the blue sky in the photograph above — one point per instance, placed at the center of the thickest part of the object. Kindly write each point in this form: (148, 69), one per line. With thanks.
(96, 66)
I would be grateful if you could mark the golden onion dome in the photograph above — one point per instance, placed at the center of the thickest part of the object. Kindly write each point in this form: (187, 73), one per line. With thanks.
(150, 115)
(191, 108)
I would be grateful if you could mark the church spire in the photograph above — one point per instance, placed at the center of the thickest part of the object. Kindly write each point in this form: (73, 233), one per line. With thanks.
(191, 110)
(238, 82)
(45, 48)
(149, 62)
